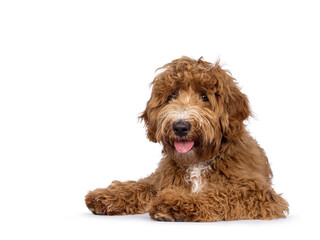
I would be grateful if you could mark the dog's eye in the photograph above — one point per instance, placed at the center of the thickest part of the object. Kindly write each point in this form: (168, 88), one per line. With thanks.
(172, 96)
(204, 97)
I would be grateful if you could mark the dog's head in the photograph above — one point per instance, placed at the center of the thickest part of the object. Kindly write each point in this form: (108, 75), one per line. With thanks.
(194, 107)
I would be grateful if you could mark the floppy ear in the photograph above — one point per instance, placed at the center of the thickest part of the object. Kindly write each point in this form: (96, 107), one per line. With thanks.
(236, 110)
(149, 117)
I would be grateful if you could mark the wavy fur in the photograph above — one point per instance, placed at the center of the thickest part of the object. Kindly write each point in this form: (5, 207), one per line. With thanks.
(225, 176)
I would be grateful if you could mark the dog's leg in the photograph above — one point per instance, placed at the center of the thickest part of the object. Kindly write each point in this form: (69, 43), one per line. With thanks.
(121, 198)
(214, 205)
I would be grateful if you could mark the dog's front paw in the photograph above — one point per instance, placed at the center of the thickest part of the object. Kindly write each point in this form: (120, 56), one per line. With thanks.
(167, 206)
(95, 205)
(167, 213)
(166, 217)
(100, 203)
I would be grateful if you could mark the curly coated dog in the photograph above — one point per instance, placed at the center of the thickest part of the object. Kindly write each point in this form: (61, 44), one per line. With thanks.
(211, 169)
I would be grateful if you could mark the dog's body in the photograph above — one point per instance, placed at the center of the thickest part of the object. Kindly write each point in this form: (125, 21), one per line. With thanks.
(212, 169)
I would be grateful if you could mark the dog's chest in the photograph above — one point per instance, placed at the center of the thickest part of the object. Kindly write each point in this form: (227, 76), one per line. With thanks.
(195, 175)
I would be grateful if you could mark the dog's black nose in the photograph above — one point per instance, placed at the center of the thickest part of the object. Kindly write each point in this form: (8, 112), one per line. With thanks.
(181, 128)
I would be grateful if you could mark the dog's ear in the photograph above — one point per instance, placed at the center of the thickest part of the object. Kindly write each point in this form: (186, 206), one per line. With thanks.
(149, 117)
(236, 109)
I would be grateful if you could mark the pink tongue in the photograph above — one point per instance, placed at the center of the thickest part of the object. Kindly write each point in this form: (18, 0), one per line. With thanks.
(183, 147)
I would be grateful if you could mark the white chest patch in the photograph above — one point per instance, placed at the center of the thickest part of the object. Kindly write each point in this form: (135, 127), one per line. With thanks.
(195, 176)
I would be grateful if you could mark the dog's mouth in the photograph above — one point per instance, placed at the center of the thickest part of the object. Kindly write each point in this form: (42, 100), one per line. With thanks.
(183, 146)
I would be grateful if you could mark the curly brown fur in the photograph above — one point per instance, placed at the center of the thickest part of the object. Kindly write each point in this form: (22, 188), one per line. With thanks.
(225, 175)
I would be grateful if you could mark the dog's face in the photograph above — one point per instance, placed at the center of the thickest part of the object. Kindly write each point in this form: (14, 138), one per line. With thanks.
(194, 107)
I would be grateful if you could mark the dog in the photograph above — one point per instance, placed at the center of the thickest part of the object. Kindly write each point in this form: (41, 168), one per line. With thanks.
(211, 169)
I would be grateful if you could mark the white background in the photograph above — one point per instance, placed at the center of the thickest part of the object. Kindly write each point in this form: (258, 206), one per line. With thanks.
(74, 76)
